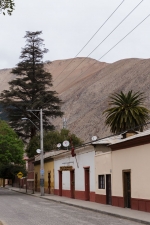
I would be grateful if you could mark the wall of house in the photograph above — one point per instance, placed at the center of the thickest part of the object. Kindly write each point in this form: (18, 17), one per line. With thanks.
(84, 158)
(103, 166)
(48, 168)
(137, 160)
(37, 173)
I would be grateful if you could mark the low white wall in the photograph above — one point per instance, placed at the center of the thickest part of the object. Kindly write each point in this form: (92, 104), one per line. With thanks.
(136, 159)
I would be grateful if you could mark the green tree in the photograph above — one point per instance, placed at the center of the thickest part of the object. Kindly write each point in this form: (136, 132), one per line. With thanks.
(126, 112)
(31, 90)
(7, 5)
(9, 171)
(51, 139)
(11, 147)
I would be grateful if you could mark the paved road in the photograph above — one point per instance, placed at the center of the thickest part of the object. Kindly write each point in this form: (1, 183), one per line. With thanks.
(21, 209)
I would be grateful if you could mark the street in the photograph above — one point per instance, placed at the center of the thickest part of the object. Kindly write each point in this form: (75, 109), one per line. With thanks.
(20, 209)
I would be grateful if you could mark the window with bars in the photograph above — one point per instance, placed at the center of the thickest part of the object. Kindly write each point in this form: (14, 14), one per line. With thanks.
(101, 181)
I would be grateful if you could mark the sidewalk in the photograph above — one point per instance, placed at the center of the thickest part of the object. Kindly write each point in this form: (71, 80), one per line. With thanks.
(125, 213)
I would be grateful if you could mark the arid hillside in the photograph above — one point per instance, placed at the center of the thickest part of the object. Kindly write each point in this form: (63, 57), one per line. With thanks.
(85, 91)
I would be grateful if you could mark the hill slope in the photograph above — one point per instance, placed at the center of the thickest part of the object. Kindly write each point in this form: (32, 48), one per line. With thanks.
(85, 91)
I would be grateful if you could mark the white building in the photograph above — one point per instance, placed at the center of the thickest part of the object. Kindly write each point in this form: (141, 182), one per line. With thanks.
(75, 176)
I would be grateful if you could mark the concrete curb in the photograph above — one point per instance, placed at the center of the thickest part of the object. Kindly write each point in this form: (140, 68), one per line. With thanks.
(87, 208)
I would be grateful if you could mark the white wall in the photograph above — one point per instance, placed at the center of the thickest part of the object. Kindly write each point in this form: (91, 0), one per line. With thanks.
(85, 158)
(136, 159)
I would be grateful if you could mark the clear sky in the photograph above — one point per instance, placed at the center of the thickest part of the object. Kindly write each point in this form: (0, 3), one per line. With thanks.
(68, 25)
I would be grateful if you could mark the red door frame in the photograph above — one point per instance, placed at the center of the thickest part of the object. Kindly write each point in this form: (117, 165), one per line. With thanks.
(60, 183)
(87, 183)
(72, 183)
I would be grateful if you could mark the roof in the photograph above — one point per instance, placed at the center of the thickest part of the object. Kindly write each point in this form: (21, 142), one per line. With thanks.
(49, 154)
(118, 138)
(140, 134)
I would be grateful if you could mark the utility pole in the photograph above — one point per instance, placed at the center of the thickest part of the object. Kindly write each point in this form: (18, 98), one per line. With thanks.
(42, 159)
(41, 148)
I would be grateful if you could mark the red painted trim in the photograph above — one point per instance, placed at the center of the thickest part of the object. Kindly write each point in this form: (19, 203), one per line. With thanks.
(56, 191)
(60, 183)
(87, 183)
(92, 196)
(86, 167)
(118, 201)
(100, 198)
(140, 204)
(80, 195)
(66, 193)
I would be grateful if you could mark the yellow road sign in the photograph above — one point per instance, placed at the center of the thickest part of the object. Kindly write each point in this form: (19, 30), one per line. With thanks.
(20, 175)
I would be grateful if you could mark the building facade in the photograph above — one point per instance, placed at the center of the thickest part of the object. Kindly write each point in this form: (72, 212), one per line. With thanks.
(75, 176)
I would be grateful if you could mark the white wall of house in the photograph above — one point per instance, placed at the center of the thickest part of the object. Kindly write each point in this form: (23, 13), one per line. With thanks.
(136, 159)
(85, 157)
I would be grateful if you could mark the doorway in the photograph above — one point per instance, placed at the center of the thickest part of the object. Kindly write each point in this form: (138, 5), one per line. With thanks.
(60, 183)
(72, 183)
(87, 184)
(108, 189)
(127, 189)
(49, 182)
(36, 182)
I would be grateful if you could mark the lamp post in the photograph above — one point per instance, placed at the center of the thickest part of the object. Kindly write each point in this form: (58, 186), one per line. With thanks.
(41, 148)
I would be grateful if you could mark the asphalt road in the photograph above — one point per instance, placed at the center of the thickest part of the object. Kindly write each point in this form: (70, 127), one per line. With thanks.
(21, 209)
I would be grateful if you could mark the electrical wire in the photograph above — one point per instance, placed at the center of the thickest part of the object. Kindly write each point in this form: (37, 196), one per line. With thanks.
(113, 135)
(101, 41)
(98, 45)
(115, 44)
(90, 39)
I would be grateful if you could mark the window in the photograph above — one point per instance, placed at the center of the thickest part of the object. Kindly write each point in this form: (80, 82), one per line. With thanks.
(101, 181)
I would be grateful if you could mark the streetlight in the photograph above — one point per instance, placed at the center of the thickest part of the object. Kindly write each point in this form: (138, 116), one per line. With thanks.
(41, 146)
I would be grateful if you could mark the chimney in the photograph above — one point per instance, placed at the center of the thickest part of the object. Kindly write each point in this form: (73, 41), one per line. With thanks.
(129, 133)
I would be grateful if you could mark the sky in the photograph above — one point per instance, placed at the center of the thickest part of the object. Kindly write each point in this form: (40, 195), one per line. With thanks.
(68, 25)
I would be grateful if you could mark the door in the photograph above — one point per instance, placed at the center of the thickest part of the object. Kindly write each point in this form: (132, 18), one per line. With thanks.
(127, 189)
(60, 183)
(108, 189)
(72, 183)
(49, 183)
(36, 181)
(87, 184)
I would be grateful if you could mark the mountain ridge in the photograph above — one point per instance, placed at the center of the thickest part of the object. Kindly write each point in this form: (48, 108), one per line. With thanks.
(86, 95)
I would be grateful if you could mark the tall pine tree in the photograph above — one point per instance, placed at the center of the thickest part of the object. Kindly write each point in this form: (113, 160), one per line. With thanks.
(31, 90)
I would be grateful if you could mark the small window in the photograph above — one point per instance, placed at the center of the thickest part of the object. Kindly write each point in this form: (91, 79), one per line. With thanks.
(101, 181)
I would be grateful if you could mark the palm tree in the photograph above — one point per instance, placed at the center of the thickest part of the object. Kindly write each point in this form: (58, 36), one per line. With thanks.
(126, 112)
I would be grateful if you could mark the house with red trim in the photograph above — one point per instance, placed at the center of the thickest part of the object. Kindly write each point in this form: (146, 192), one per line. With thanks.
(74, 174)
(122, 171)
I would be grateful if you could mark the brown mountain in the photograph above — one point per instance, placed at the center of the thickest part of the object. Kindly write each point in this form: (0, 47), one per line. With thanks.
(85, 90)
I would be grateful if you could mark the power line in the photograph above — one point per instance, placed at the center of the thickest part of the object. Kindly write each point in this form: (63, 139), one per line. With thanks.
(101, 41)
(99, 45)
(116, 44)
(113, 135)
(91, 38)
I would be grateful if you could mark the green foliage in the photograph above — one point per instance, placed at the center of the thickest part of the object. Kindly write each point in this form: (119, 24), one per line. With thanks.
(30, 90)
(7, 5)
(11, 147)
(51, 139)
(9, 171)
(126, 112)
